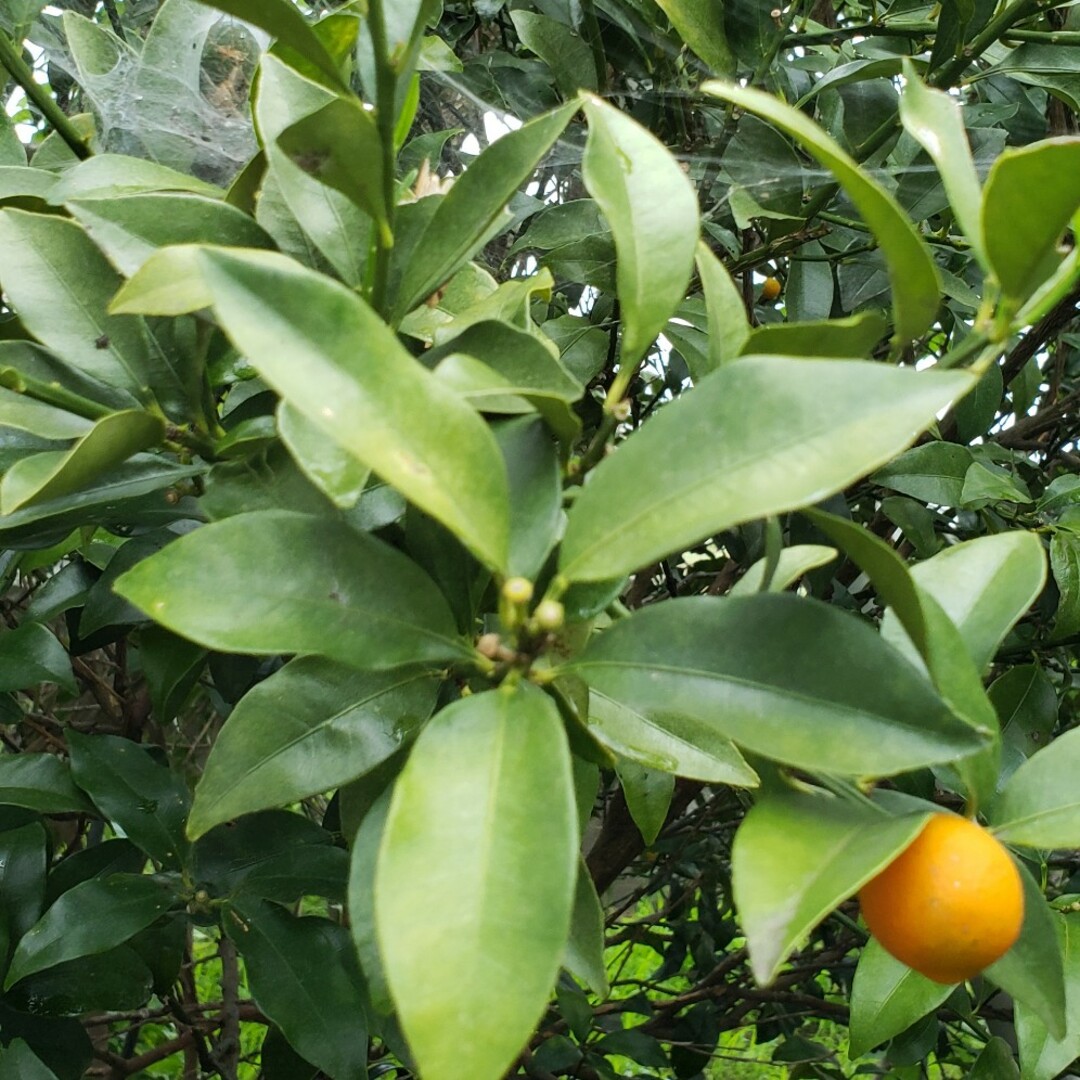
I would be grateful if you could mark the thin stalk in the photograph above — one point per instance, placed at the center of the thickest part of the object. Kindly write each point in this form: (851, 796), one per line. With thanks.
(11, 58)
(996, 28)
(385, 99)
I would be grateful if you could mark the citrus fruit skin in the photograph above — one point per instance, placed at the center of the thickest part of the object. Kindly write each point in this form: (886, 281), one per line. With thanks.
(948, 905)
(770, 290)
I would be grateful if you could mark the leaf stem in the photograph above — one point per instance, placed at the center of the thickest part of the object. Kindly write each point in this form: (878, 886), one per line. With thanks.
(385, 97)
(11, 59)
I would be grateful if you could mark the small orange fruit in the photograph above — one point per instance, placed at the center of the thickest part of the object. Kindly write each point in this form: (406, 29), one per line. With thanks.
(949, 904)
(770, 290)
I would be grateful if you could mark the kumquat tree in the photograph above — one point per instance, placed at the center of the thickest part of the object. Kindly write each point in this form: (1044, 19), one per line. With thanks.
(540, 539)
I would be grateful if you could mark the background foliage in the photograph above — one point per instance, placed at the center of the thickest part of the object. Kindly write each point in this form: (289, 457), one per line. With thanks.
(437, 569)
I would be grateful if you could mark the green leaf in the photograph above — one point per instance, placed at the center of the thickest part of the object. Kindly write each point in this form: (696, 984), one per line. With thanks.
(887, 997)
(40, 782)
(29, 655)
(700, 24)
(91, 918)
(995, 1062)
(1032, 971)
(702, 668)
(22, 412)
(303, 975)
(532, 466)
(130, 228)
(249, 584)
(1039, 806)
(796, 856)
(984, 586)
(18, 1060)
(310, 727)
(1042, 1056)
(569, 57)
(282, 20)
(23, 859)
(329, 466)
(782, 433)
(1020, 232)
(933, 473)
(648, 795)
(145, 798)
(295, 207)
(653, 213)
(853, 336)
(49, 475)
(365, 391)
(475, 206)
(482, 817)
(793, 563)
(913, 274)
(17, 181)
(1065, 563)
(110, 176)
(339, 146)
(61, 286)
(584, 957)
(934, 119)
(729, 326)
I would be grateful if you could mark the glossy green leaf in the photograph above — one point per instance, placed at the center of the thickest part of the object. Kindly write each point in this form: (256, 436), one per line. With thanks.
(365, 852)
(91, 918)
(1042, 1056)
(290, 199)
(133, 492)
(887, 997)
(933, 472)
(310, 727)
(241, 585)
(1065, 563)
(169, 282)
(23, 860)
(30, 654)
(144, 797)
(1039, 806)
(61, 285)
(40, 477)
(699, 665)
(700, 24)
(782, 433)
(532, 466)
(130, 228)
(561, 48)
(853, 336)
(653, 213)
(339, 146)
(282, 20)
(672, 742)
(19, 410)
(483, 818)
(912, 272)
(115, 980)
(475, 206)
(303, 976)
(40, 782)
(365, 391)
(934, 119)
(331, 468)
(796, 856)
(984, 586)
(1020, 233)
(1032, 971)
(793, 563)
(729, 326)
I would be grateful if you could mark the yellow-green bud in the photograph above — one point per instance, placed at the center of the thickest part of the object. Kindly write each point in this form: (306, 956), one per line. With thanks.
(517, 590)
(549, 615)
